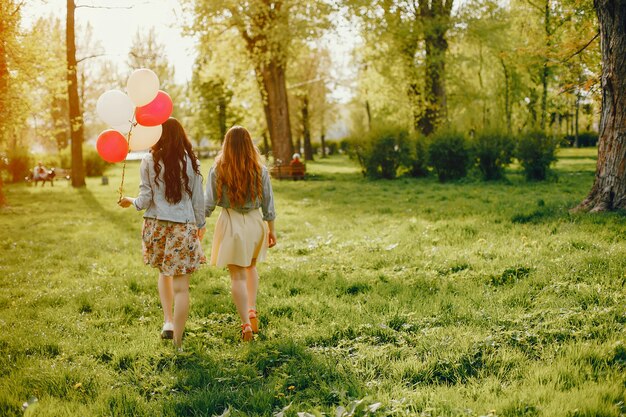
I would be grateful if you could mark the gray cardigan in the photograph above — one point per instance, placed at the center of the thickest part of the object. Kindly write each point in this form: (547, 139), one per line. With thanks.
(152, 196)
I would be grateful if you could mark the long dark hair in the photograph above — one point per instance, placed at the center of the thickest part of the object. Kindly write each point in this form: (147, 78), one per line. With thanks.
(173, 148)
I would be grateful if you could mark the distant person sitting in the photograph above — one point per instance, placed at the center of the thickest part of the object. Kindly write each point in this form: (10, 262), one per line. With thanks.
(40, 172)
(297, 167)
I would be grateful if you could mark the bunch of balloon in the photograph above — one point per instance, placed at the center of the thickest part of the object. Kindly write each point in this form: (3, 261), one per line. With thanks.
(135, 117)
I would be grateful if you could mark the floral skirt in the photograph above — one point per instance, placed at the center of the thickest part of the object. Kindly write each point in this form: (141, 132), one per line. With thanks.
(239, 238)
(174, 248)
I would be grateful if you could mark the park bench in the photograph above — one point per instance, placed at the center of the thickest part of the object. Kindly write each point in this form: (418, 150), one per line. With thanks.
(289, 172)
(52, 174)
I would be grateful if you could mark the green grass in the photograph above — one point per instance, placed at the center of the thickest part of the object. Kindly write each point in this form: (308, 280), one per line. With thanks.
(392, 298)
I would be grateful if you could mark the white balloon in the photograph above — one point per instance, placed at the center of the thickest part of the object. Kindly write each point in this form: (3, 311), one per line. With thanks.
(144, 137)
(124, 128)
(115, 108)
(142, 86)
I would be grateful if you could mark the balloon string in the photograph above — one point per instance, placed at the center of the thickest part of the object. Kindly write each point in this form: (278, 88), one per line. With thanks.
(121, 189)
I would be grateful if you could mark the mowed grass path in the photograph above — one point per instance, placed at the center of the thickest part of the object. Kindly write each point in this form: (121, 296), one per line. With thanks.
(418, 298)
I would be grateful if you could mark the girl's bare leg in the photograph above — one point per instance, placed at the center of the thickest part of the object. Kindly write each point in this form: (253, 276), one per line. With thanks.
(181, 307)
(166, 294)
(239, 291)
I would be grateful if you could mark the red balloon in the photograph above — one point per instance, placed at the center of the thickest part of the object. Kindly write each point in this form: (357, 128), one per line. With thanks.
(156, 112)
(112, 146)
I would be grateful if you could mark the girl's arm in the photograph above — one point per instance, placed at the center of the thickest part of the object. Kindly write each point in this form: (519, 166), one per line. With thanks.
(267, 207)
(267, 201)
(144, 199)
(197, 200)
(272, 234)
(210, 197)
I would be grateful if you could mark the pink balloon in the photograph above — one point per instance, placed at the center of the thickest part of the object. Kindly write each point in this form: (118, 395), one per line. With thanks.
(112, 146)
(156, 112)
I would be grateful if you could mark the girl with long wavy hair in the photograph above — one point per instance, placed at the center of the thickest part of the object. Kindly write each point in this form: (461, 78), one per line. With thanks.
(171, 193)
(240, 184)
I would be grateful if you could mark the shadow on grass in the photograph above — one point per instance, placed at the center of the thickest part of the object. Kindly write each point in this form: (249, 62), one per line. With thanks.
(118, 220)
(270, 377)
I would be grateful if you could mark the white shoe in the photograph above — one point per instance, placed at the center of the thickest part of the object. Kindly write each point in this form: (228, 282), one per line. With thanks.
(168, 331)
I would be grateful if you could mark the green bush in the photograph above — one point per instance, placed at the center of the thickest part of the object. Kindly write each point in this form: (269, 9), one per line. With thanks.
(93, 163)
(493, 152)
(535, 152)
(449, 155)
(18, 164)
(418, 166)
(383, 151)
(585, 139)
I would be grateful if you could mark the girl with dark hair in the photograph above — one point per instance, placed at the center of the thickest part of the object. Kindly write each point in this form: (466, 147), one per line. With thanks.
(171, 192)
(240, 184)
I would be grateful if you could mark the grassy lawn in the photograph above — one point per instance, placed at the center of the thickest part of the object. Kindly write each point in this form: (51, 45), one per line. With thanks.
(418, 298)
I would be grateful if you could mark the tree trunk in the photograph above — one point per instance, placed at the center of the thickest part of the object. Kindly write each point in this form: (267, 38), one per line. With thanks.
(221, 103)
(507, 100)
(576, 118)
(323, 137)
(545, 71)
(609, 188)
(76, 117)
(276, 106)
(4, 86)
(368, 111)
(435, 97)
(266, 145)
(306, 130)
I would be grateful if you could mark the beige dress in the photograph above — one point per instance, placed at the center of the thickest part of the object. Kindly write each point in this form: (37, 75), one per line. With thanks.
(239, 238)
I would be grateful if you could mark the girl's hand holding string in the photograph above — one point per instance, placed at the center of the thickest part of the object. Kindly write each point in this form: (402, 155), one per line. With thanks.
(201, 233)
(271, 239)
(125, 202)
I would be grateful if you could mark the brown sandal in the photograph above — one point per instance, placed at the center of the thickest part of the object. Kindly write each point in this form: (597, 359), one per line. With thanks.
(246, 332)
(254, 322)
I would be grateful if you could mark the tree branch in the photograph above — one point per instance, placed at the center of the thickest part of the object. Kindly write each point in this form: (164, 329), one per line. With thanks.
(535, 6)
(89, 57)
(583, 48)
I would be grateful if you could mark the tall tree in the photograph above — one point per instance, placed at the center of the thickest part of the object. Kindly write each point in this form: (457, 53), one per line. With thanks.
(268, 29)
(75, 113)
(416, 33)
(609, 188)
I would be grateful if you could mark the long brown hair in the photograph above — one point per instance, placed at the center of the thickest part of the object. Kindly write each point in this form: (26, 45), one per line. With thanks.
(173, 148)
(238, 166)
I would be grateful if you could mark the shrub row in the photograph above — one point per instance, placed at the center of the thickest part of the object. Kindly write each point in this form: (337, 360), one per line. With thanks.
(388, 152)
(18, 164)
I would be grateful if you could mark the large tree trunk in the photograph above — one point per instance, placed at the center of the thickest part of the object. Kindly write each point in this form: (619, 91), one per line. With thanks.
(276, 106)
(609, 189)
(306, 130)
(4, 87)
(436, 103)
(76, 117)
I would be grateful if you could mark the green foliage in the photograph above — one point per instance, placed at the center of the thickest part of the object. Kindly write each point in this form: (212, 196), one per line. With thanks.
(449, 155)
(493, 152)
(585, 139)
(94, 164)
(536, 152)
(19, 163)
(383, 151)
